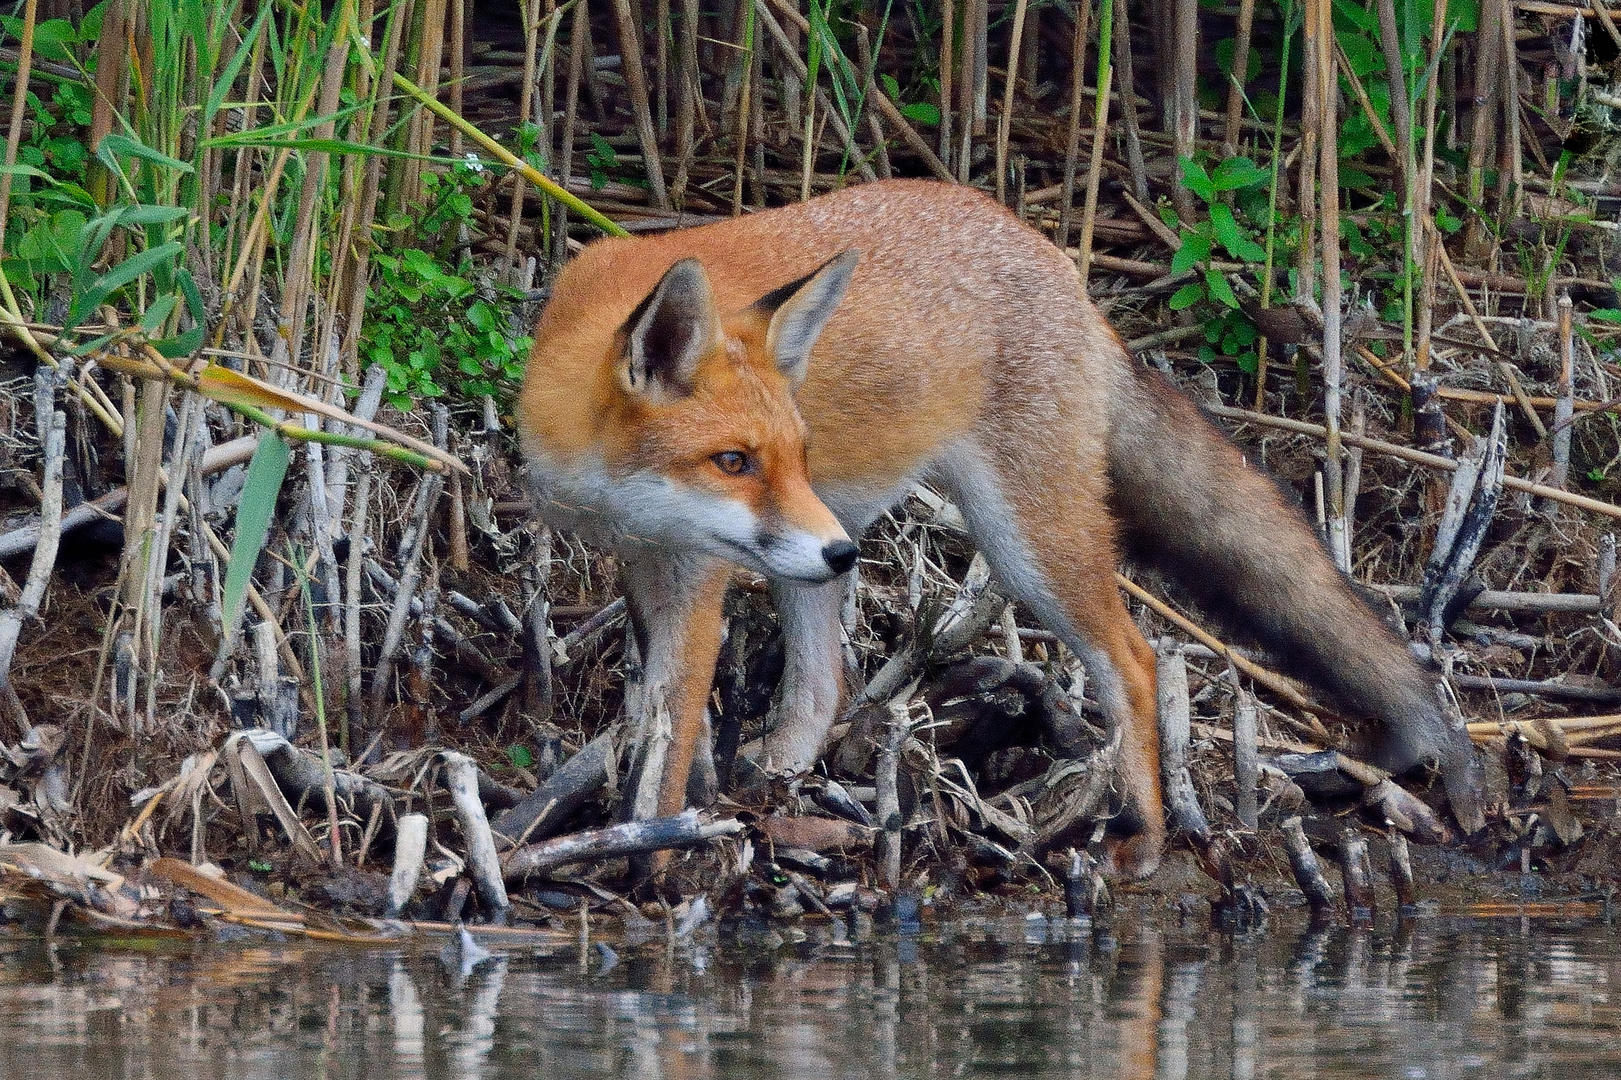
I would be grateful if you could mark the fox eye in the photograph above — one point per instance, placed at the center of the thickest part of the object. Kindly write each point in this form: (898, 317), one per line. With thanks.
(732, 462)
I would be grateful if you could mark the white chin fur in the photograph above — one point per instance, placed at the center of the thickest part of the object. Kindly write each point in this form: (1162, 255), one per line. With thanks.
(652, 509)
(797, 558)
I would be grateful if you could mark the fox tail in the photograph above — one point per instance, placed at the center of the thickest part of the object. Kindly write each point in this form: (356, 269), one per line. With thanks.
(1193, 508)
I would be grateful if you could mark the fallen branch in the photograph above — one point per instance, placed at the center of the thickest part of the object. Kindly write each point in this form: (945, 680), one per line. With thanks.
(537, 816)
(301, 776)
(461, 781)
(632, 838)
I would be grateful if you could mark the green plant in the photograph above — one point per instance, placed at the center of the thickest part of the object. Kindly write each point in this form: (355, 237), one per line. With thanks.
(434, 332)
(435, 329)
(919, 112)
(57, 143)
(601, 161)
(1231, 334)
(1226, 228)
(824, 49)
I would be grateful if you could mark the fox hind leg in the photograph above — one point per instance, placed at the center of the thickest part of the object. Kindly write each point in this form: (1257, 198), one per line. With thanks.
(1052, 546)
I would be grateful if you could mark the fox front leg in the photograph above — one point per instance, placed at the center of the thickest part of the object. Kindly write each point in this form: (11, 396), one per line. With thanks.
(675, 605)
(812, 677)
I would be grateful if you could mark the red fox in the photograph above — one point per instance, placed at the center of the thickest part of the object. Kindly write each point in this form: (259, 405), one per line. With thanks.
(758, 391)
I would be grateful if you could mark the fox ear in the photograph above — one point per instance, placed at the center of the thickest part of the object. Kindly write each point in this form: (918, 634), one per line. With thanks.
(669, 332)
(800, 309)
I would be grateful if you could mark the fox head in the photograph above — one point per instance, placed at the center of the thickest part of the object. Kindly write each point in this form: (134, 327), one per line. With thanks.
(697, 443)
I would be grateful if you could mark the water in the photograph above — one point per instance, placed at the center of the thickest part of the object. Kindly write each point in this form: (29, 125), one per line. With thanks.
(1006, 998)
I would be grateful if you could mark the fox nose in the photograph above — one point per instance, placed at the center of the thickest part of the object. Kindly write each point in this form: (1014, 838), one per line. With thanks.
(840, 555)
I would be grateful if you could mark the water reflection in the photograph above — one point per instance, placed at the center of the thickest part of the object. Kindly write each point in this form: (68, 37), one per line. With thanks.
(1435, 998)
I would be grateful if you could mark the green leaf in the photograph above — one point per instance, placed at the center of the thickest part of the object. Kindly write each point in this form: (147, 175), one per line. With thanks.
(153, 318)
(181, 345)
(1216, 282)
(119, 276)
(421, 264)
(114, 146)
(1195, 249)
(226, 78)
(1363, 54)
(254, 511)
(604, 150)
(1235, 173)
(53, 39)
(483, 317)
(892, 89)
(1354, 179)
(1241, 333)
(1609, 315)
(520, 756)
(1358, 17)
(1232, 235)
(922, 112)
(1196, 180)
(51, 246)
(141, 214)
(1187, 296)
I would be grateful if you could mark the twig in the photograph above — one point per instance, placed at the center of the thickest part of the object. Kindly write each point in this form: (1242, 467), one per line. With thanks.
(1533, 686)
(509, 159)
(1246, 764)
(410, 575)
(19, 108)
(1240, 73)
(1128, 103)
(539, 814)
(1470, 506)
(1496, 600)
(800, 72)
(1328, 177)
(1004, 123)
(887, 807)
(54, 445)
(1565, 409)
(1184, 107)
(1077, 94)
(1356, 872)
(1401, 869)
(632, 67)
(1278, 684)
(1419, 457)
